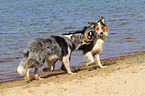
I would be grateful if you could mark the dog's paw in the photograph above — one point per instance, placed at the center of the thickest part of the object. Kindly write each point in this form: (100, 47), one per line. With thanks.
(72, 73)
(37, 77)
(103, 67)
(87, 65)
(26, 78)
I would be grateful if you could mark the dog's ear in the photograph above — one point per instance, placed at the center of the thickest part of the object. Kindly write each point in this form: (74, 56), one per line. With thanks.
(74, 37)
(102, 20)
(91, 23)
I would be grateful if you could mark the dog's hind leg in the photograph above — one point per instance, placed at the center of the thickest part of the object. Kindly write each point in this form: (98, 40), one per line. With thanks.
(51, 66)
(97, 57)
(90, 57)
(36, 74)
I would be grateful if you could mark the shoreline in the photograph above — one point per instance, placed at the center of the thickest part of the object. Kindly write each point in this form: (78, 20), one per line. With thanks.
(123, 76)
(75, 69)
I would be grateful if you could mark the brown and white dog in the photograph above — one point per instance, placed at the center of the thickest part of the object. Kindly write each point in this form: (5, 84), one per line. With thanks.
(93, 49)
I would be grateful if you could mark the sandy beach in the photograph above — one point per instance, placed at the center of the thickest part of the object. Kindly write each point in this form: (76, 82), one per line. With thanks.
(125, 77)
(123, 52)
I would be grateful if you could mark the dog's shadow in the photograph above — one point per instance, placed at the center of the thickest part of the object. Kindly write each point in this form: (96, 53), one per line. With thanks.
(75, 70)
(46, 76)
(92, 68)
(55, 74)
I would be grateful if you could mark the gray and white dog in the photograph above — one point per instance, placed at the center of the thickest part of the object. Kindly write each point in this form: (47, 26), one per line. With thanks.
(52, 49)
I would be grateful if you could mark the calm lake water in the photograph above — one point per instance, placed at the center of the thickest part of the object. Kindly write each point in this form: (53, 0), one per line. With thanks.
(23, 20)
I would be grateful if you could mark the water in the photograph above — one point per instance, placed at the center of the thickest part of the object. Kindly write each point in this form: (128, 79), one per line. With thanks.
(23, 20)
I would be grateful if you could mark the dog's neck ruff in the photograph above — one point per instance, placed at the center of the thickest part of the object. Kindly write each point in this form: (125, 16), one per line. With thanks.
(68, 36)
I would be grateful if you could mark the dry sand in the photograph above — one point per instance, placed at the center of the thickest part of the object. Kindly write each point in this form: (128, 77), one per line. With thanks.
(116, 80)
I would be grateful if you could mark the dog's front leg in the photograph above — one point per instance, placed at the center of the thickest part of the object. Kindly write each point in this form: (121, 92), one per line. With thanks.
(65, 62)
(90, 57)
(97, 57)
(27, 74)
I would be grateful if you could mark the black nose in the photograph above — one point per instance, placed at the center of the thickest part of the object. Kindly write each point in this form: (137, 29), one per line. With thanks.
(101, 33)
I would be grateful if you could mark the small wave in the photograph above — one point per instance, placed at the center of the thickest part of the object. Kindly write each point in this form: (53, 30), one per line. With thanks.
(9, 59)
(130, 38)
(69, 27)
(113, 33)
(123, 19)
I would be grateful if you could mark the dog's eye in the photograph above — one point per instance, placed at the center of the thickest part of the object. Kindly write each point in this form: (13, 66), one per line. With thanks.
(102, 27)
(97, 28)
(90, 33)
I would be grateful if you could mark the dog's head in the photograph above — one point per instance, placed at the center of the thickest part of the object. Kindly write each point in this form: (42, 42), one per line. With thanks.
(100, 28)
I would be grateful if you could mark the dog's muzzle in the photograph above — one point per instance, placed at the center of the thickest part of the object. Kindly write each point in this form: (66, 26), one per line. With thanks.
(102, 35)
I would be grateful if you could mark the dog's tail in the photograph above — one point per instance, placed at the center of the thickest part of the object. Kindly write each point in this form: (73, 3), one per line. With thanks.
(21, 68)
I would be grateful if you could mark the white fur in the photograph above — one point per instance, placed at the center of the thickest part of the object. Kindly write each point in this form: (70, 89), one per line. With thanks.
(66, 61)
(21, 69)
(52, 57)
(94, 53)
(98, 46)
(68, 36)
(100, 29)
(106, 33)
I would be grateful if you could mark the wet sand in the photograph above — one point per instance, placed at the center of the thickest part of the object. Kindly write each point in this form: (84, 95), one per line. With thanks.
(119, 79)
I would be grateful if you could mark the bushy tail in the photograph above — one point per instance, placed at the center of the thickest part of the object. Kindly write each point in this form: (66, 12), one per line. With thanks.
(21, 68)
